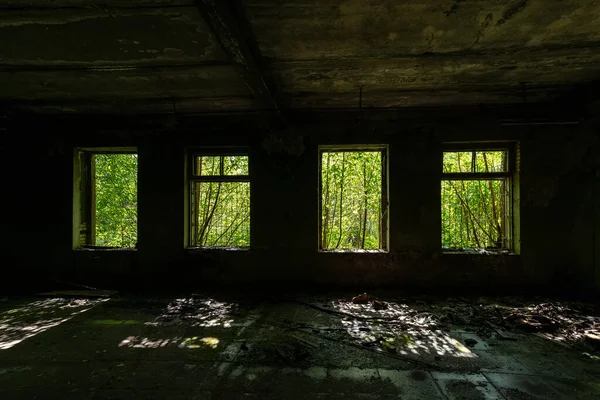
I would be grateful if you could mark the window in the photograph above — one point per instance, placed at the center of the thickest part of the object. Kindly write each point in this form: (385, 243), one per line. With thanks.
(477, 198)
(353, 201)
(106, 199)
(220, 201)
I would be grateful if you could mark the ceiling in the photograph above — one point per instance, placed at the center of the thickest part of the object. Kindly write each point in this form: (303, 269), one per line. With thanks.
(193, 56)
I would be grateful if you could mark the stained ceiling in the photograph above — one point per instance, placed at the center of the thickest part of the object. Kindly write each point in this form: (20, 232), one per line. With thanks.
(215, 55)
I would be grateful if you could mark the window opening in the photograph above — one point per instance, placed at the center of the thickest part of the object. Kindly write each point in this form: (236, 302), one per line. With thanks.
(477, 199)
(108, 199)
(353, 199)
(220, 201)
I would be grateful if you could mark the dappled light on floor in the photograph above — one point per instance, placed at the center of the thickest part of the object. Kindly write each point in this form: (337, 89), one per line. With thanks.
(182, 313)
(556, 321)
(195, 342)
(36, 317)
(570, 323)
(420, 342)
(179, 342)
(310, 346)
(382, 310)
(204, 312)
(397, 328)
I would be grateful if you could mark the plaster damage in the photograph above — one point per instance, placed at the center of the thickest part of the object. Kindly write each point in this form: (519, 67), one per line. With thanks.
(108, 38)
(467, 51)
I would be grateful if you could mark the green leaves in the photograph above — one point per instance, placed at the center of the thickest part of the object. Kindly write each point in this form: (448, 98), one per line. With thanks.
(351, 200)
(223, 214)
(229, 165)
(221, 208)
(474, 211)
(235, 165)
(115, 186)
(475, 161)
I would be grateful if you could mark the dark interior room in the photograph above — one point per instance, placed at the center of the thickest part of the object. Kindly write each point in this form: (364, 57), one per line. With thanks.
(300, 199)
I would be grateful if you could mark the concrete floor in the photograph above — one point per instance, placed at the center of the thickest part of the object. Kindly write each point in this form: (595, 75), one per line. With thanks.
(210, 348)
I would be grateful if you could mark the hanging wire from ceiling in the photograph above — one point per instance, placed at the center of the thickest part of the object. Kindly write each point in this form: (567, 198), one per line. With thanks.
(360, 98)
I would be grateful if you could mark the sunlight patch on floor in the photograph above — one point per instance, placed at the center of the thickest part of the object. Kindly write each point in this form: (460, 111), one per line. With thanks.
(204, 312)
(195, 342)
(36, 317)
(429, 342)
(398, 328)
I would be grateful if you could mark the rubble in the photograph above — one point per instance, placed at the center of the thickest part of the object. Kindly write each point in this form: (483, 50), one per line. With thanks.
(372, 322)
(560, 321)
(361, 299)
(379, 305)
(593, 339)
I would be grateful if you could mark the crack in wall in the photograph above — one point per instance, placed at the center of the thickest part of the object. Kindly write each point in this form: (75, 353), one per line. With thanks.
(512, 10)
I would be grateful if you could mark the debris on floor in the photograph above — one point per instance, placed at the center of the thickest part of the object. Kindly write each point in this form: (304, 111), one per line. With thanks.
(383, 348)
(561, 321)
(593, 339)
(200, 311)
(360, 299)
(371, 321)
(379, 305)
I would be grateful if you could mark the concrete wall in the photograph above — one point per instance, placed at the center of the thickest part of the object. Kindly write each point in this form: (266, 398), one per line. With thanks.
(559, 211)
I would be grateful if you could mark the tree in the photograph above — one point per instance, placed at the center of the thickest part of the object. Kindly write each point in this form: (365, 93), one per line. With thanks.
(115, 187)
(351, 199)
(474, 211)
(222, 208)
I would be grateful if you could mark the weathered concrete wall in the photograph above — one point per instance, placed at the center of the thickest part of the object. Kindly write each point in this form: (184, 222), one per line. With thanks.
(558, 204)
(560, 208)
(36, 198)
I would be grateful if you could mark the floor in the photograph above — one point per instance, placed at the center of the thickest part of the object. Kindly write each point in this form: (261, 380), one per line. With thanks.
(304, 347)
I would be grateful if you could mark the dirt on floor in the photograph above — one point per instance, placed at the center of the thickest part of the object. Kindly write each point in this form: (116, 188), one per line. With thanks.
(357, 344)
(395, 326)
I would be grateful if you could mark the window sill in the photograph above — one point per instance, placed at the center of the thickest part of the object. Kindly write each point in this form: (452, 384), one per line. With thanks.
(216, 249)
(106, 249)
(478, 252)
(353, 251)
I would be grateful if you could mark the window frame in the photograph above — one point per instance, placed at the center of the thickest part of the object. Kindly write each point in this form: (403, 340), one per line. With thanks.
(385, 202)
(84, 226)
(510, 175)
(193, 154)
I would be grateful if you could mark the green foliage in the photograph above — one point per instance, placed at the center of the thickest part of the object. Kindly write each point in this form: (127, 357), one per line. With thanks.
(475, 161)
(221, 209)
(115, 199)
(235, 165)
(474, 211)
(209, 165)
(351, 200)
(232, 165)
